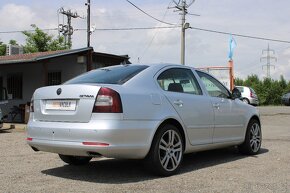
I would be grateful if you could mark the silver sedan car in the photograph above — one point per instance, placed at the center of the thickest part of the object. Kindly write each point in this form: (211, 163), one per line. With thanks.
(152, 112)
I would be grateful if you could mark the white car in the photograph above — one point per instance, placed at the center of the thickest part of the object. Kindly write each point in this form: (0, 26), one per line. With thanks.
(152, 112)
(249, 96)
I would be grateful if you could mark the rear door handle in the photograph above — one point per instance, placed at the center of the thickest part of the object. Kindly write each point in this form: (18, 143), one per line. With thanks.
(216, 105)
(178, 103)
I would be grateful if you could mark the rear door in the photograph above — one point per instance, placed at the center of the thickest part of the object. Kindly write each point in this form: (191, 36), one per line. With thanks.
(184, 93)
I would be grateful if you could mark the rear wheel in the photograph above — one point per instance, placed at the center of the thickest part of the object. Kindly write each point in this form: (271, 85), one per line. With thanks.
(253, 139)
(166, 152)
(245, 100)
(75, 160)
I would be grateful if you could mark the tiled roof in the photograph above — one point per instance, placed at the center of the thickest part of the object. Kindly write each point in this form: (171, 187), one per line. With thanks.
(31, 56)
(21, 58)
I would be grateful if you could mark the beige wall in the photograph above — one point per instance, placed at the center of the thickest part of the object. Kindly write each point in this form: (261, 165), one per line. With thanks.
(33, 75)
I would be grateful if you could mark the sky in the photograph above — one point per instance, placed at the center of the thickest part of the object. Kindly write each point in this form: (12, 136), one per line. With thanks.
(259, 18)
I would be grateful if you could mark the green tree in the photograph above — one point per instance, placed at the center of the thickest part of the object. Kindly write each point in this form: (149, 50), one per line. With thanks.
(269, 91)
(13, 42)
(282, 82)
(39, 41)
(252, 80)
(2, 49)
(239, 82)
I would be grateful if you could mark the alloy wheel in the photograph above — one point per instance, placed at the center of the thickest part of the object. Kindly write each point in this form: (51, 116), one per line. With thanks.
(170, 150)
(255, 137)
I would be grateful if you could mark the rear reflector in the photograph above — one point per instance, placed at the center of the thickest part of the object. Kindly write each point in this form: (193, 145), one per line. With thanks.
(108, 101)
(29, 139)
(95, 143)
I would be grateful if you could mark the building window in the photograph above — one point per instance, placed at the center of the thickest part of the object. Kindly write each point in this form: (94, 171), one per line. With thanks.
(14, 85)
(53, 78)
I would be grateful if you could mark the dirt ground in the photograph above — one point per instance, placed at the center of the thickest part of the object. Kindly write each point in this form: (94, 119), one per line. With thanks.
(225, 170)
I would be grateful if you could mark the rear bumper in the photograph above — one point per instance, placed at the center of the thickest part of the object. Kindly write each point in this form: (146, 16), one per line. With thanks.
(254, 101)
(126, 139)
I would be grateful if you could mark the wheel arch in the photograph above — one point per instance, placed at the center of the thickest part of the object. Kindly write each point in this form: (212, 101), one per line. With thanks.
(177, 124)
(255, 117)
(245, 98)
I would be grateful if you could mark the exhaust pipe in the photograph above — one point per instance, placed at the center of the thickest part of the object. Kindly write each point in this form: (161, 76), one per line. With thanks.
(94, 154)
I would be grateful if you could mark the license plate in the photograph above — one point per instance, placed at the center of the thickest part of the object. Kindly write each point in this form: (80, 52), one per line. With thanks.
(62, 105)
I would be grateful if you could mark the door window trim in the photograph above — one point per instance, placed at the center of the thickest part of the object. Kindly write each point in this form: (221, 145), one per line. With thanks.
(229, 95)
(197, 85)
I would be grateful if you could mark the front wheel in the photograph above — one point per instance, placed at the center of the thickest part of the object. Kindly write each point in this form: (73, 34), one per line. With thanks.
(166, 152)
(253, 139)
(75, 160)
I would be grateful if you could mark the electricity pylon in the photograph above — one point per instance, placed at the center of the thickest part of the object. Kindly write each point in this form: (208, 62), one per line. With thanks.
(269, 56)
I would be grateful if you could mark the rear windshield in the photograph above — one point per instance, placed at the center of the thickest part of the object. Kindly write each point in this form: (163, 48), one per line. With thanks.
(109, 75)
(252, 90)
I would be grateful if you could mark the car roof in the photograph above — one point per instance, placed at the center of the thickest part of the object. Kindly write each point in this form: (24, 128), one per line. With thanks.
(161, 65)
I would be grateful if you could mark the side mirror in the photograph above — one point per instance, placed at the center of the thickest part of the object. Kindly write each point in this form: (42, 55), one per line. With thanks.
(236, 94)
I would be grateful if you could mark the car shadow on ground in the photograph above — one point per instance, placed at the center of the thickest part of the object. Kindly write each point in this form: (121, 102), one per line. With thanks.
(114, 171)
(5, 130)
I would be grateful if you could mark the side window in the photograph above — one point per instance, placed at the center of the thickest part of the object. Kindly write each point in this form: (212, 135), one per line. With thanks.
(241, 89)
(213, 87)
(53, 78)
(14, 85)
(179, 80)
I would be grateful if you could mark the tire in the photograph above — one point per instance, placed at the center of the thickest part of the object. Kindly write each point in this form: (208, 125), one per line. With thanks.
(166, 153)
(253, 139)
(245, 100)
(75, 160)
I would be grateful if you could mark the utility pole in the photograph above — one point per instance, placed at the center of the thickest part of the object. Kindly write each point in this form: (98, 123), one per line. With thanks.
(90, 54)
(182, 6)
(88, 4)
(269, 52)
(67, 30)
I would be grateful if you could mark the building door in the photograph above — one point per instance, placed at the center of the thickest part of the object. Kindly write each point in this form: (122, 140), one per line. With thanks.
(1, 86)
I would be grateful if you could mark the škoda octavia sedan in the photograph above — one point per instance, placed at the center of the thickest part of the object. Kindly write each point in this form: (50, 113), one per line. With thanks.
(152, 112)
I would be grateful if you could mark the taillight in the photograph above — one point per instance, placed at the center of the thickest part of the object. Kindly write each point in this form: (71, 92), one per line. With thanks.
(31, 106)
(108, 101)
(251, 94)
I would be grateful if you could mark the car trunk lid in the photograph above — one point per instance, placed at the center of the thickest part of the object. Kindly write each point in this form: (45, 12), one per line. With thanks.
(65, 103)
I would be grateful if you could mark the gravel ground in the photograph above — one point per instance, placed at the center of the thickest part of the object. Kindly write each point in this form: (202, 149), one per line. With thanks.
(225, 170)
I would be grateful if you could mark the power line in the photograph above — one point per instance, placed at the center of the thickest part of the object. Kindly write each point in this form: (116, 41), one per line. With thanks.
(32, 30)
(130, 28)
(240, 35)
(164, 27)
(97, 29)
(156, 32)
(149, 14)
